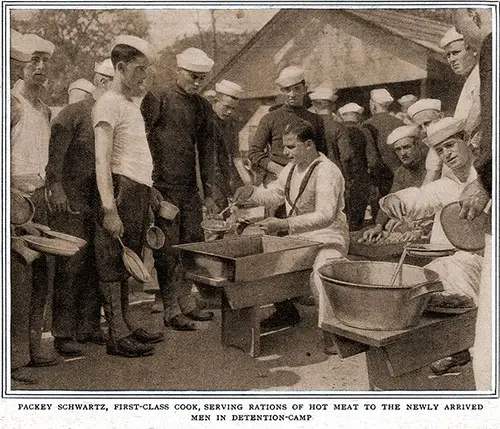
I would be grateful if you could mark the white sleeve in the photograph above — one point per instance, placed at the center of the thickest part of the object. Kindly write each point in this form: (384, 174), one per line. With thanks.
(427, 200)
(274, 194)
(329, 187)
(433, 162)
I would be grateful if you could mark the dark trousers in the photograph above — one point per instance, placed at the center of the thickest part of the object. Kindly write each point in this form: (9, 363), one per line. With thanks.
(76, 300)
(132, 200)
(29, 289)
(185, 228)
(356, 202)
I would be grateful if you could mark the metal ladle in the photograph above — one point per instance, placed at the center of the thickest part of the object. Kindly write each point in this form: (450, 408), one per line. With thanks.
(398, 267)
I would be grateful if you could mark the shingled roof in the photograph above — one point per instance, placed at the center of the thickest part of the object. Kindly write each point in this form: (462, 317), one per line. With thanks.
(292, 35)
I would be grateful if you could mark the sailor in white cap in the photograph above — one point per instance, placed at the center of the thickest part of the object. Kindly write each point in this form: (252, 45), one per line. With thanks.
(123, 165)
(71, 179)
(79, 90)
(227, 179)
(382, 160)
(269, 134)
(30, 133)
(463, 62)
(476, 26)
(405, 102)
(460, 273)
(209, 95)
(179, 123)
(351, 112)
(411, 151)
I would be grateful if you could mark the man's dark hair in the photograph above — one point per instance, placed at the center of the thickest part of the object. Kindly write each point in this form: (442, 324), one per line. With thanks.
(125, 54)
(301, 129)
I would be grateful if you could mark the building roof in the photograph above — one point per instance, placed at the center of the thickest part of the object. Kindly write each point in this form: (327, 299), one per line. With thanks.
(424, 31)
(336, 43)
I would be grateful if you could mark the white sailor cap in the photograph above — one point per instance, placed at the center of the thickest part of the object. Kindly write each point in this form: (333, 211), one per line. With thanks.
(195, 60)
(209, 93)
(141, 45)
(443, 129)
(381, 96)
(424, 104)
(450, 36)
(35, 43)
(83, 85)
(402, 132)
(290, 76)
(351, 108)
(408, 98)
(18, 49)
(105, 68)
(229, 88)
(323, 93)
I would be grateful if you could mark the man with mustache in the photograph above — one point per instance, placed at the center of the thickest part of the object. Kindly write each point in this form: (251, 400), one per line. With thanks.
(266, 149)
(30, 133)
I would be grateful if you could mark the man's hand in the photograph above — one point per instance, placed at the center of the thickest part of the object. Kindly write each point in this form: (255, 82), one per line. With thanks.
(112, 223)
(274, 168)
(156, 199)
(58, 201)
(473, 200)
(242, 194)
(272, 225)
(392, 224)
(371, 234)
(394, 207)
(210, 206)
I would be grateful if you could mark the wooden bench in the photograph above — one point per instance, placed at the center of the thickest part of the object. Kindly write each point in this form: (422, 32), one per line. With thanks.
(242, 301)
(399, 360)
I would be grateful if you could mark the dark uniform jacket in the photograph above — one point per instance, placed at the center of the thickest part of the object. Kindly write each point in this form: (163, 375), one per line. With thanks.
(337, 143)
(483, 161)
(72, 153)
(384, 161)
(267, 143)
(177, 125)
(404, 177)
(227, 179)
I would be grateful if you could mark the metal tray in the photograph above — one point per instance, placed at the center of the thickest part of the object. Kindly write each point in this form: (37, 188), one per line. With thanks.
(248, 258)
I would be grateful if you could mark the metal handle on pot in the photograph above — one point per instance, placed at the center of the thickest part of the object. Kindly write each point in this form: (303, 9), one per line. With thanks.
(424, 289)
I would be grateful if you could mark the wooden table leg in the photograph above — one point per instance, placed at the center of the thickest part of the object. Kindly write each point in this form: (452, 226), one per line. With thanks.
(241, 328)
(380, 378)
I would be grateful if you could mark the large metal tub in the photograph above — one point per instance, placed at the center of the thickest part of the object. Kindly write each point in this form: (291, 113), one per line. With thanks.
(248, 258)
(361, 296)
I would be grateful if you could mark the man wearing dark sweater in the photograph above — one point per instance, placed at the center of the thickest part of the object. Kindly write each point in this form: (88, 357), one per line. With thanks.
(73, 196)
(411, 173)
(266, 149)
(179, 124)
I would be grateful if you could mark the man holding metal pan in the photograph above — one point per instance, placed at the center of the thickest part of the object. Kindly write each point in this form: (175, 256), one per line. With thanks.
(124, 182)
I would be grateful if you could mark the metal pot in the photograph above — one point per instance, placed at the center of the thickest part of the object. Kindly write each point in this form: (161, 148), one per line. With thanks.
(361, 297)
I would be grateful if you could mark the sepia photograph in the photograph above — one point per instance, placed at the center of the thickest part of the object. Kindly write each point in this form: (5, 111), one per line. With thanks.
(260, 203)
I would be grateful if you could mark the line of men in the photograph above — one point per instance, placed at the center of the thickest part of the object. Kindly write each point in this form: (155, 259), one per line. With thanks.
(147, 150)
(99, 171)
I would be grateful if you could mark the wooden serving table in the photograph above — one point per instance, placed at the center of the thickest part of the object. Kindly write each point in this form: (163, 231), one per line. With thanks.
(249, 272)
(399, 360)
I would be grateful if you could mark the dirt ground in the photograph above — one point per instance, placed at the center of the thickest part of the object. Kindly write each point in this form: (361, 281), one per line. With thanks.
(186, 361)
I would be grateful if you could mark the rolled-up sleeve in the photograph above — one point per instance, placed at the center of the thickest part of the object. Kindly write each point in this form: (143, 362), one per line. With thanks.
(427, 200)
(329, 186)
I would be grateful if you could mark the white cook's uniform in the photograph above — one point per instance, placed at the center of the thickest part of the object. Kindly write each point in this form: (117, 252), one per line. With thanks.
(319, 216)
(460, 272)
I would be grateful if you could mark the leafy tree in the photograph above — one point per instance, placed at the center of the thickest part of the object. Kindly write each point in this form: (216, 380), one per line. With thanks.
(81, 37)
(228, 45)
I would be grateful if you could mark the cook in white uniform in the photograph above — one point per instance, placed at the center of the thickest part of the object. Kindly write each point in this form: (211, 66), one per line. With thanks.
(461, 272)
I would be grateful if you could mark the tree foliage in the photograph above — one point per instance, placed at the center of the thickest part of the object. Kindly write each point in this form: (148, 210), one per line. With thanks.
(227, 45)
(81, 37)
